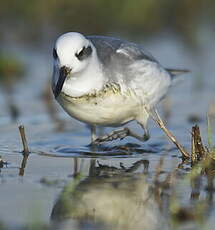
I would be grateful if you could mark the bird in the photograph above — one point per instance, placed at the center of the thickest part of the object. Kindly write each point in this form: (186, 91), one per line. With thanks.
(108, 82)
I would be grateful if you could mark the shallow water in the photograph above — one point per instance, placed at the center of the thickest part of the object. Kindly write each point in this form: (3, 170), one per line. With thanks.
(61, 151)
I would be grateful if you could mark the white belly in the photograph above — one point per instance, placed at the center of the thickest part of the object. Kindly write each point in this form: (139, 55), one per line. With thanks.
(110, 109)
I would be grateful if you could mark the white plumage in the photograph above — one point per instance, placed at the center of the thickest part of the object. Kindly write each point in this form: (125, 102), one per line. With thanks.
(106, 81)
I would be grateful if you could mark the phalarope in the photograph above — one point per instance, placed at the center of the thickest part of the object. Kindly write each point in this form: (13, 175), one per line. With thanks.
(105, 81)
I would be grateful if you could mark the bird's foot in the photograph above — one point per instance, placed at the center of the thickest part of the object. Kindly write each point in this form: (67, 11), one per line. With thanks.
(116, 134)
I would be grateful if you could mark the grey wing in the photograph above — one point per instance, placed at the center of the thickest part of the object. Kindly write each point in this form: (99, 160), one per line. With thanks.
(131, 66)
(111, 50)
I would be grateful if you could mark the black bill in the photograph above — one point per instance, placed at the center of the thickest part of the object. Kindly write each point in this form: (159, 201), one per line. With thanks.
(62, 77)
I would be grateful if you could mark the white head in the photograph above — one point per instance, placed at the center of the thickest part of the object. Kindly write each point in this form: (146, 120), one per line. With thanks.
(73, 51)
(72, 54)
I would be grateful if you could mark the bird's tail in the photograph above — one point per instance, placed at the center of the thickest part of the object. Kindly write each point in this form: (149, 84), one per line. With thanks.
(176, 72)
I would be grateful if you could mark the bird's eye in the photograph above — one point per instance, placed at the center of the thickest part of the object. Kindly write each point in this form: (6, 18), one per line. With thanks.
(55, 54)
(80, 54)
(84, 53)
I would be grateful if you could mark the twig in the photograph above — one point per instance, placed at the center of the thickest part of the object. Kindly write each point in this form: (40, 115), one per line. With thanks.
(155, 116)
(24, 141)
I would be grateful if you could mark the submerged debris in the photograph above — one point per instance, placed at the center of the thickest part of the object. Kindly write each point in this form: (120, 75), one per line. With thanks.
(2, 163)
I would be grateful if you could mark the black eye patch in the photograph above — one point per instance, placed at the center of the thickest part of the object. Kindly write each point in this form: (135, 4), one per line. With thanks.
(84, 53)
(55, 56)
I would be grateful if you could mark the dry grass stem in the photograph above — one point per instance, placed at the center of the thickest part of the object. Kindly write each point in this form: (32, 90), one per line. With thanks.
(155, 116)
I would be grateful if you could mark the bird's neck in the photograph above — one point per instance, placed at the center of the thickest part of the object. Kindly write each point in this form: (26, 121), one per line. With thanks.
(87, 81)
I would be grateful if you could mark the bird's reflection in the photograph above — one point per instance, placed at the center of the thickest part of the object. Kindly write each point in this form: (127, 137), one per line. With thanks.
(109, 198)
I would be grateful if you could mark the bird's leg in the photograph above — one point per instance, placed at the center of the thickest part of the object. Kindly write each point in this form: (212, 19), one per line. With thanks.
(93, 133)
(146, 135)
(121, 134)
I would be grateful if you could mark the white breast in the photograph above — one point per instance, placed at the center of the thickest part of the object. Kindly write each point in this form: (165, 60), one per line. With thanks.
(108, 109)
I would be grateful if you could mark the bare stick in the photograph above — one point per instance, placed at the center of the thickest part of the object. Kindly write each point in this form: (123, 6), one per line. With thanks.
(24, 141)
(155, 116)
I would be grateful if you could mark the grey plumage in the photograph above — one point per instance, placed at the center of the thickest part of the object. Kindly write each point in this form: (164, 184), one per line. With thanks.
(108, 47)
(117, 57)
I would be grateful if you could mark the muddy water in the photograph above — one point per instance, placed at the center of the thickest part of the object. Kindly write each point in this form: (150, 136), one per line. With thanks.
(110, 184)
